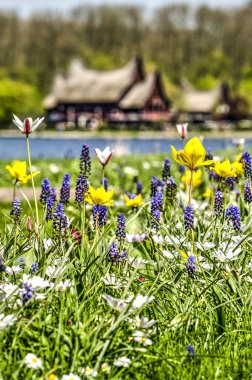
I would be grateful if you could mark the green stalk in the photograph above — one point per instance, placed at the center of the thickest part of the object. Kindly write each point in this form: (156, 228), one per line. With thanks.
(190, 188)
(33, 186)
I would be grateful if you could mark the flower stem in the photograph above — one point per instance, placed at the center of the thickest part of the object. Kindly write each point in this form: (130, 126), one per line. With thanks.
(190, 188)
(33, 186)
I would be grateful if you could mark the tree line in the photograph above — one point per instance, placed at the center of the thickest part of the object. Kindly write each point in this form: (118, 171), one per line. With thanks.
(204, 45)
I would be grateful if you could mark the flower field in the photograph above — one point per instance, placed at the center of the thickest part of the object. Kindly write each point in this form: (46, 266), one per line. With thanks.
(127, 268)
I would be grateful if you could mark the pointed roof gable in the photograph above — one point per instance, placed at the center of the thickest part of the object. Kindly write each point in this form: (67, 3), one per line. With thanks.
(84, 85)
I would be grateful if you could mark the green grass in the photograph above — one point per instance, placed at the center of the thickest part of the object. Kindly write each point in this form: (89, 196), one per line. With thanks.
(77, 328)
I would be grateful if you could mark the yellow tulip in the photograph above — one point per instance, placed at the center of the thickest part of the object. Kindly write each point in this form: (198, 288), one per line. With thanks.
(18, 171)
(137, 201)
(193, 154)
(196, 180)
(224, 169)
(99, 196)
(238, 168)
(207, 193)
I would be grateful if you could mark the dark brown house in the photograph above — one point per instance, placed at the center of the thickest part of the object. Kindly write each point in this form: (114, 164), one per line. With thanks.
(126, 94)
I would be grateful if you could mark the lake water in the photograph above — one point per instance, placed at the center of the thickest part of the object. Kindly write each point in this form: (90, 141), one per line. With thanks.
(15, 148)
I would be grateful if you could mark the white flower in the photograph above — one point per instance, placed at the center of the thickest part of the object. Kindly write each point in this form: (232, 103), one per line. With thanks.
(142, 337)
(158, 239)
(168, 254)
(104, 156)
(9, 291)
(130, 171)
(71, 376)
(6, 320)
(28, 125)
(112, 281)
(139, 301)
(137, 262)
(47, 243)
(204, 246)
(15, 269)
(54, 168)
(90, 372)
(115, 303)
(239, 142)
(131, 238)
(249, 279)
(105, 368)
(123, 361)
(54, 272)
(142, 323)
(32, 361)
(36, 282)
(182, 129)
(146, 165)
(63, 285)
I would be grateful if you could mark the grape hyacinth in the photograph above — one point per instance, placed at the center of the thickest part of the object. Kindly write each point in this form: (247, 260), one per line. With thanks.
(188, 218)
(34, 268)
(230, 182)
(53, 194)
(49, 207)
(247, 192)
(233, 213)
(115, 255)
(218, 203)
(247, 165)
(208, 156)
(60, 221)
(45, 190)
(104, 183)
(213, 176)
(191, 265)
(190, 351)
(171, 191)
(120, 231)
(16, 210)
(21, 262)
(154, 186)
(81, 188)
(100, 215)
(27, 293)
(139, 187)
(156, 208)
(85, 161)
(65, 189)
(166, 173)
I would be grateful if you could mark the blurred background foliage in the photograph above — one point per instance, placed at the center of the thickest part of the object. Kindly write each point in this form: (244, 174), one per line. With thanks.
(203, 45)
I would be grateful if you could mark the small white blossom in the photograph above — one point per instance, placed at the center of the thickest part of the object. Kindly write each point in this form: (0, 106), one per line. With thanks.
(54, 271)
(71, 376)
(6, 320)
(131, 238)
(105, 368)
(112, 281)
(36, 282)
(115, 303)
(47, 243)
(90, 372)
(28, 125)
(15, 269)
(142, 323)
(32, 361)
(142, 337)
(137, 262)
(123, 361)
(104, 156)
(168, 254)
(63, 285)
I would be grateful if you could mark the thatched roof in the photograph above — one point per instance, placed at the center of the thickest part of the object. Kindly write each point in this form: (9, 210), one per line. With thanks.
(83, 85)
(140, 94)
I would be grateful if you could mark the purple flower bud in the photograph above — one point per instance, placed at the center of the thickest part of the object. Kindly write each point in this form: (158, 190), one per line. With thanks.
(115, 255)
(188, 218)
(85, 161)
(139, 187)
(230, 182)
(191, 265)
(53, 194)
(65, 189)
(120, 232)
(16, 210)
(166, 173)
(2, 266)
(100, 215)
(27, 293)
(81, 188)
(154, 186)
(34, 268)
(218, 203)
(233, 213)
(45, 190)
(49, 207)
(104, 183)
(191, 351)
(247, 192)
(246, 157)
(60, 221)
(171, 191)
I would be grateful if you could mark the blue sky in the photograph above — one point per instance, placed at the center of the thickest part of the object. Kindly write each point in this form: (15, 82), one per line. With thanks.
(25, 7)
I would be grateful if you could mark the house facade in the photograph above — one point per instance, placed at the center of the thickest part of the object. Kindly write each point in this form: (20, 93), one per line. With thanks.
(125, 95)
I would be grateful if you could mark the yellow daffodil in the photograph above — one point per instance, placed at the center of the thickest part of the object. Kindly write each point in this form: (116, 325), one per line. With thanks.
(207, 193)
(18, 171)
(99, 196)
(196, 180)
(193, 154)
(238, 168)
(137, 201)
(223, 169)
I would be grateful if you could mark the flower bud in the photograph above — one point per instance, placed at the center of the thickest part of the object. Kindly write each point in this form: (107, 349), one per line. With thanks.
(29, 223)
